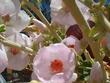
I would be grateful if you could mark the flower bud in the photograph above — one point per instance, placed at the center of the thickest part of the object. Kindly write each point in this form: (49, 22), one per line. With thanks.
(96, 75)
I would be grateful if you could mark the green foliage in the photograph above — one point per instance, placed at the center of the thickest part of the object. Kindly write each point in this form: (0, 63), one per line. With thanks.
(49, 39)
(2, 28)
(84, 69)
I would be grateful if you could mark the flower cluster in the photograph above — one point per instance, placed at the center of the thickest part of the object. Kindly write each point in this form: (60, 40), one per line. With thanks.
(58, 51)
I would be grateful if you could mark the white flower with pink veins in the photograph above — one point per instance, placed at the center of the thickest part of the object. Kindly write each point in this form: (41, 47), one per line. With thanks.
(3, 58)
(18, 59)
(12, 16)
(54, 64)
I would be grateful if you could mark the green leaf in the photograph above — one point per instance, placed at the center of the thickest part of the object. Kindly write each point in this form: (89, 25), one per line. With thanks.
(2, 28)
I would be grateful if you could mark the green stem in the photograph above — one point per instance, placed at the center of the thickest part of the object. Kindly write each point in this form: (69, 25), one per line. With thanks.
(88, 57)
(107, 23)
(95, 46)
(27, 11)
(100, 19)
(101, 3)
(13, 44)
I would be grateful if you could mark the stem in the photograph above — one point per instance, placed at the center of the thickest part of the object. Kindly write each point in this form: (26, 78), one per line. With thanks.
(27, 11)
(95, 46)
(13, 44)
(107, 23)
(101, 3)
(44, 20)
(88, 57)
(100, 19)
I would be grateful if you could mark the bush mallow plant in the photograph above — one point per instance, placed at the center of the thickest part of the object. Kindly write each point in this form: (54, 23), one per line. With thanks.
(54, 63)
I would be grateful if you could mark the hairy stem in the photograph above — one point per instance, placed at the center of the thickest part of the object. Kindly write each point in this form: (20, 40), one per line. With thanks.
(13, 44)
(44, 20)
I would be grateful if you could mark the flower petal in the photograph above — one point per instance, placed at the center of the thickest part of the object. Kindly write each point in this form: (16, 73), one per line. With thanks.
(3, 58)
(17, 23)
(17, 5)
(6, 7)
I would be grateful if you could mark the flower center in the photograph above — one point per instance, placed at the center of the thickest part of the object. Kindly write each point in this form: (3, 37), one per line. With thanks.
(70, 46)
(6, 18)
(56, 66)
(14, 51)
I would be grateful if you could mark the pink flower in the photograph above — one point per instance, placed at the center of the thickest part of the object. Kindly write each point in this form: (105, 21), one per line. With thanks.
(3, 58)
(18, 59)
(72, 42)
(13, 17)
(96, 75)
(17, 23)
(54, 64)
